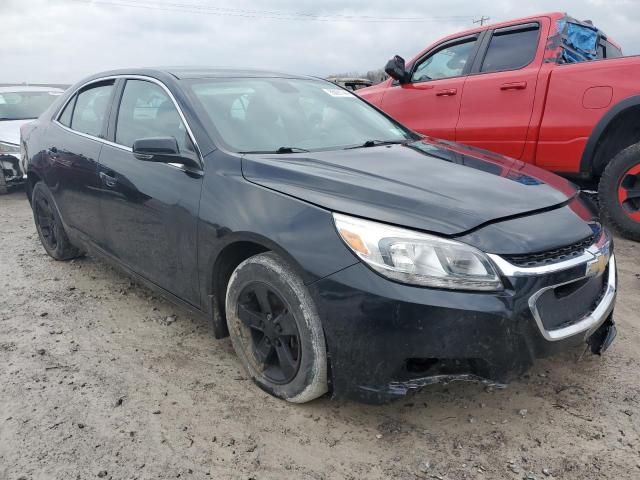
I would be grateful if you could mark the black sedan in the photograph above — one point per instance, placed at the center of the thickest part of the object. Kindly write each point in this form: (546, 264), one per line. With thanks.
(342, 253)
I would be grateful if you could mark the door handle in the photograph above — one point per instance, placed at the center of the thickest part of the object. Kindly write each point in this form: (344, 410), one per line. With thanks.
(513, 86)
(421, 86)
(449, 92)
(108, 180)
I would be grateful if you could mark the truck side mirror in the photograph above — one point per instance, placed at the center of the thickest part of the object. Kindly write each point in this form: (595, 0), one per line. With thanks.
(395, 68)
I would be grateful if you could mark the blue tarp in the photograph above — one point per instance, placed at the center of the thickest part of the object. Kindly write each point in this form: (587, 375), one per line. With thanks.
(580, 41)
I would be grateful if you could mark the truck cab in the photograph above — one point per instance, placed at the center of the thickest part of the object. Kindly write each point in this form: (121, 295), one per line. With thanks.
(547, 89)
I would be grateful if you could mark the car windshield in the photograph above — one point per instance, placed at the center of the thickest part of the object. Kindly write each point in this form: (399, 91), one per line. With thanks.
(285, 115)
(25, 105)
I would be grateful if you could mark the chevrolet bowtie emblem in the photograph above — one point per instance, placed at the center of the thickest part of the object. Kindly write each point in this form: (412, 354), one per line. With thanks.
(598, 265)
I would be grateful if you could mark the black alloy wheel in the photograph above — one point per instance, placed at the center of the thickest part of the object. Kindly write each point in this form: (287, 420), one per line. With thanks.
(49, 225)
(619, 192)
(275, 329)
(275, 339)
(46, 222)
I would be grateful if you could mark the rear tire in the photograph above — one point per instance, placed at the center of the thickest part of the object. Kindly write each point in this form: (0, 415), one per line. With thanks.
(619, 193)
(3, 184)
(49, 225)
(275, 329)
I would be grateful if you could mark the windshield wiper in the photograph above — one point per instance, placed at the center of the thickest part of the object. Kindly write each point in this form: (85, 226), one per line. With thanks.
(375, 143)
(279, 150)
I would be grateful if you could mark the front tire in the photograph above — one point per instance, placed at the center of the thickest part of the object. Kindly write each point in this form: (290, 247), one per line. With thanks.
(275, 329)
(49, 225)
(619, 193)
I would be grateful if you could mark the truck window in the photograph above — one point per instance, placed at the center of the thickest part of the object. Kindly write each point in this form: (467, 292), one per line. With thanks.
(511, 49)
(608, 50)
(444, 63)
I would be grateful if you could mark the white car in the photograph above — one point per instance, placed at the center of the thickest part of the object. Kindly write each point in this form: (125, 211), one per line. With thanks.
(19, 104)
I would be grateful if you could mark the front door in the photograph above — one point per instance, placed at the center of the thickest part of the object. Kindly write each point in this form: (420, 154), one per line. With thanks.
(151, 209)
(430, 102)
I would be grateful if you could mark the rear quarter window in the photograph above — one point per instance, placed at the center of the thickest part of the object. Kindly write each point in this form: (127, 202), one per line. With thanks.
(92, 105)
(65, 116)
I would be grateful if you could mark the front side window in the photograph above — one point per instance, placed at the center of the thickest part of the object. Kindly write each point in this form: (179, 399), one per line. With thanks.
(511, 49)
(147, 111)
(445, 63)
(92, 106)
(264, 114)
(25, 105)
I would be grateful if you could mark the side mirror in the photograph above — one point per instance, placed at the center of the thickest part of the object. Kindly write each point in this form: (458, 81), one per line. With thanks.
(162, 150)
(395, 68)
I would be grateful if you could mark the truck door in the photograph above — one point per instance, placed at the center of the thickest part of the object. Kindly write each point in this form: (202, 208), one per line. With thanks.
(430, 102)
(499, 92)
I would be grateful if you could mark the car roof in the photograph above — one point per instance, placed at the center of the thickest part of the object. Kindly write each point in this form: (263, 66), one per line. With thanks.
(213, 72)
(182, 73)
(28, 88)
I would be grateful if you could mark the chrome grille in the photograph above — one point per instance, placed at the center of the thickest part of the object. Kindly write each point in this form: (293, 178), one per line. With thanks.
(551, 256)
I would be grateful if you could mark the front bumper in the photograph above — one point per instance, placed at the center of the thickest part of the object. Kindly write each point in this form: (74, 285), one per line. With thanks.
(387, 339)
(11, 170)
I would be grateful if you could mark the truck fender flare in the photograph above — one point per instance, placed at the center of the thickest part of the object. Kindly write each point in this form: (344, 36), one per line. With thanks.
(588, 155)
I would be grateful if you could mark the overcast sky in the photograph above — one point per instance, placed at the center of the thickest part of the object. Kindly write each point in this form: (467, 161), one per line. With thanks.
(64, 40)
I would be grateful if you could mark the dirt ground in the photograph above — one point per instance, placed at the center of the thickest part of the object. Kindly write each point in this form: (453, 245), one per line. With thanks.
(100, 378)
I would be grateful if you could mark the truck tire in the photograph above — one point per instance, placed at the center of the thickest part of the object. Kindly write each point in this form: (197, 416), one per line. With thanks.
(275, 329)
(49, 225)
(619, 193)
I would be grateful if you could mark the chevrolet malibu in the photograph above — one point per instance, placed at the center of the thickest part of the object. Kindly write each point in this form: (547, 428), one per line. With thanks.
(341, 252)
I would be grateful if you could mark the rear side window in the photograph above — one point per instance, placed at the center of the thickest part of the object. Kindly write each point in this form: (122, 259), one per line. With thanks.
(147, 111)
(92, 106)
(511, 49)
(608, 50)
(65, 116)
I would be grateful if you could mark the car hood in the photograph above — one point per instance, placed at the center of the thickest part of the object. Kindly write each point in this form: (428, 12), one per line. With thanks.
(431, 185)
(10, 130)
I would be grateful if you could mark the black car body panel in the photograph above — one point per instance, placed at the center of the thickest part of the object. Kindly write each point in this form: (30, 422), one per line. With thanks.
(419, 185)
(380, 334)
(180, 229)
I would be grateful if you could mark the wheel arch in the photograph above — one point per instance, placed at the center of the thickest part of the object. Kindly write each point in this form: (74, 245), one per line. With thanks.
(237, 247)
(616, 130)
(32, 179)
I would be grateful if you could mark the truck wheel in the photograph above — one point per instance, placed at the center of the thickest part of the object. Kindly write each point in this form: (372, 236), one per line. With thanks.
(619, 193)
(50, 229)
(275, 329)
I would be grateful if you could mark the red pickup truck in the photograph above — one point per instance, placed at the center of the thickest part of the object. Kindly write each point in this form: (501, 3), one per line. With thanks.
(548, 89)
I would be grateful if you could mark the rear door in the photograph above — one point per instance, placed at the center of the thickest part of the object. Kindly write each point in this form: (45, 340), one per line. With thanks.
(75, 139)
(430, 102)
(499, 94)
(151, 209)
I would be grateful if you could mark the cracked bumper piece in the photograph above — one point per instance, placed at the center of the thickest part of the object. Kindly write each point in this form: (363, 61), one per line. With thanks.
(387, 339)
(11, 170)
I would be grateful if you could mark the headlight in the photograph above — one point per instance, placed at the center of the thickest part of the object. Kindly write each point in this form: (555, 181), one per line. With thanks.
(9, 149)
(417, 258)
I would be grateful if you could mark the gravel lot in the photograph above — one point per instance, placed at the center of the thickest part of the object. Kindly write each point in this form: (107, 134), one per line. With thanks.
(100, 378)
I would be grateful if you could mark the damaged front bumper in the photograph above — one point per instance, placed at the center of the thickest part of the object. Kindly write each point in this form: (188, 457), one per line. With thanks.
(387, 339)
(12, 173)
